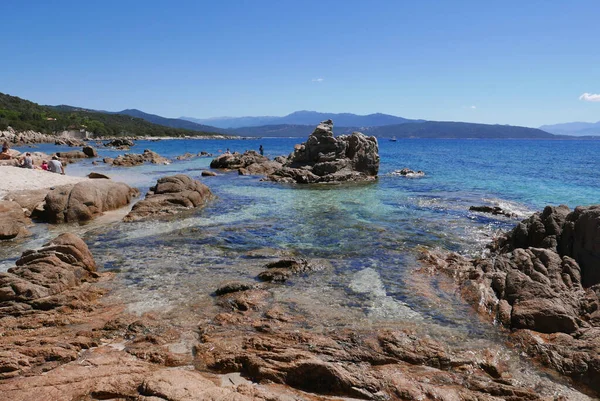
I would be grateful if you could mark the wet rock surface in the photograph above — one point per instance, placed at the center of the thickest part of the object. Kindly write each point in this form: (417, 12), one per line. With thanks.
(283, 269)
(171, 195)
(326, 158)
(541, 280)
(406, 172)
(494, 210)
(86, 200)
(251, 347)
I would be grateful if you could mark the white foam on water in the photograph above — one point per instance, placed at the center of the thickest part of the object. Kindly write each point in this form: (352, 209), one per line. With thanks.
(518, 209)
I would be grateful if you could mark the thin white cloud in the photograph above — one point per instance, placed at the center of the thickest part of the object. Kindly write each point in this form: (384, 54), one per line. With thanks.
(318, 80)
(590, 97)
(473, 107)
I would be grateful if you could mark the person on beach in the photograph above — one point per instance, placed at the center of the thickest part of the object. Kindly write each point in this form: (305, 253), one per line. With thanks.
(44, 165)
(261, 150)
(26, 161)
(5, 155)
(56, 166)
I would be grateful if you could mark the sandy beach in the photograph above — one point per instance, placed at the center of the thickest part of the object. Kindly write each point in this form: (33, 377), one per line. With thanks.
(17, 179)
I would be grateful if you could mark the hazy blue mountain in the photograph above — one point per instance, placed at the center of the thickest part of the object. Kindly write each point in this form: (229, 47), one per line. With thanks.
(305, 117)
(427, 129)
(234, 122)
(575, 128)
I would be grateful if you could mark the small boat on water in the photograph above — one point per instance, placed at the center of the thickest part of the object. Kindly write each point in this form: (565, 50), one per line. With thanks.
(393, 139)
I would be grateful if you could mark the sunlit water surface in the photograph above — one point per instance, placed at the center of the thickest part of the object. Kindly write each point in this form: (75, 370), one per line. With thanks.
(368, 234)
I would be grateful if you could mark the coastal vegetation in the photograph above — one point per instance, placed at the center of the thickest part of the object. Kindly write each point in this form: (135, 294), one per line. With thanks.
(23, 115)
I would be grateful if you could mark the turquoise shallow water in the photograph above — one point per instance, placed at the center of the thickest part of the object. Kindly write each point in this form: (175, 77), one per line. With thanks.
(377, 226)
(368, 235)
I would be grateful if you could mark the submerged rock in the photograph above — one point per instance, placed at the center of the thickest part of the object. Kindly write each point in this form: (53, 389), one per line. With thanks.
(170, 195)
(283, 269)
(325, 158)
(86, 200)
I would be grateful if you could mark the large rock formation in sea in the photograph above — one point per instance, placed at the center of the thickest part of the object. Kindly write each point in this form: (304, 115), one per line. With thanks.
(86, 200)
(326, 158)
(247, 163)
(134, 159)
(170, 195)
(542, 279)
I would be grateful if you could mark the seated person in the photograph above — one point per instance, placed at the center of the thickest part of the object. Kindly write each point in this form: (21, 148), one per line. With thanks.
(44, 165)
(5, 155)
(26, 161)
(56, 166)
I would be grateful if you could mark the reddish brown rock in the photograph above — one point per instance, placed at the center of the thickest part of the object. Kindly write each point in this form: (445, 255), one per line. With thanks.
(171, 195)
(13, 221)
(86, 200)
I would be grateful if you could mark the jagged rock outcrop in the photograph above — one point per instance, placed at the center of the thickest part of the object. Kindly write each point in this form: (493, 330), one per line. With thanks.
(233, 161)
(134, 159)
(13, 221)
(170, 195)
(25, 137)
(119, 143)
(542, 279)
(325, 158)
(86, 200)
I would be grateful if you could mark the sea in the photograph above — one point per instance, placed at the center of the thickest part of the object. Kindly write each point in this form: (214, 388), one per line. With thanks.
(369, 235)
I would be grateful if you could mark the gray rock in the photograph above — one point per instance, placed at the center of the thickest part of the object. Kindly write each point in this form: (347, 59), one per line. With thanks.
(89, 151)
(325, 158)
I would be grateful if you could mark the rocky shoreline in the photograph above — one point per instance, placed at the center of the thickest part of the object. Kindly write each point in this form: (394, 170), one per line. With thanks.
(64, 335)
(542, 281)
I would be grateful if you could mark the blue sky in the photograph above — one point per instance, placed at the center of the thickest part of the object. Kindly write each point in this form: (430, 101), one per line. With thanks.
(510, 62)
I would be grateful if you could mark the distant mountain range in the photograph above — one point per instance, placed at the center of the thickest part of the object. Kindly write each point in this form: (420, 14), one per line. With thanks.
(426, 129)
(576, 129)
(22, 115)
(305, 117)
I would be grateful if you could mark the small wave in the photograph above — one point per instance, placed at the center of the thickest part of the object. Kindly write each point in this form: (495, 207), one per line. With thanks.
(515, 208)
